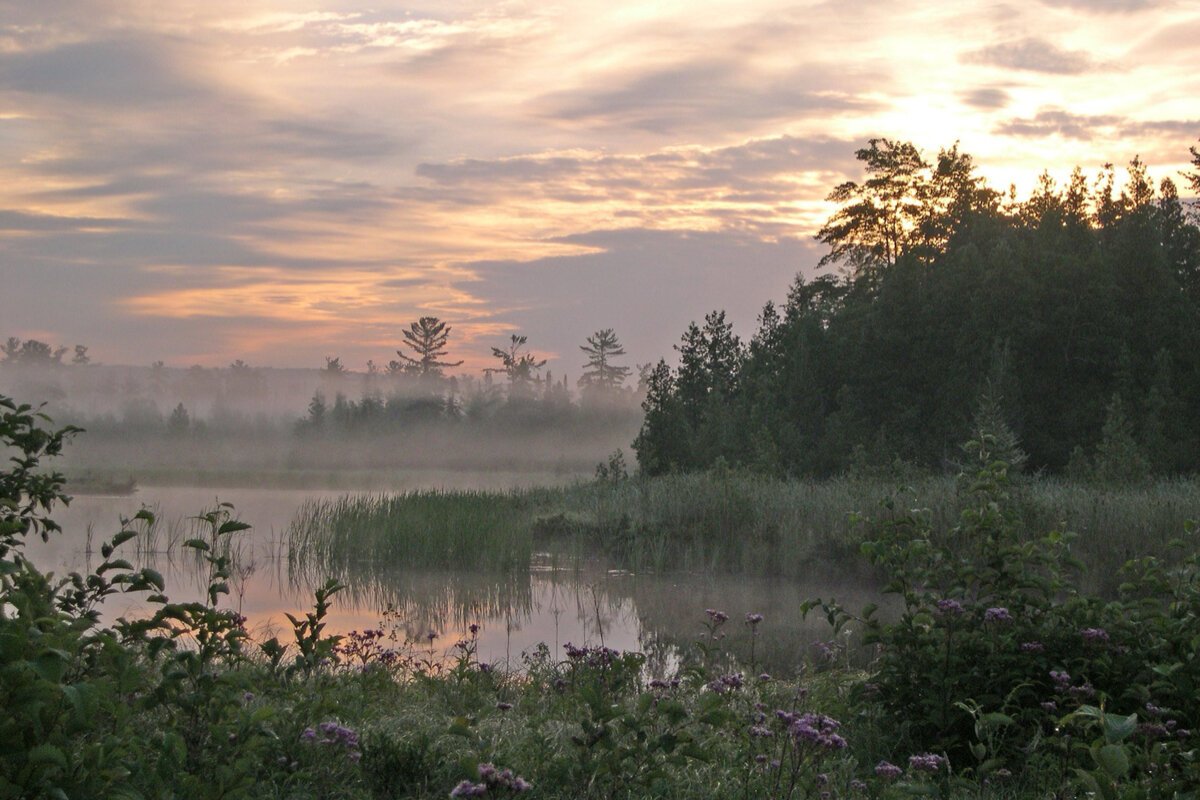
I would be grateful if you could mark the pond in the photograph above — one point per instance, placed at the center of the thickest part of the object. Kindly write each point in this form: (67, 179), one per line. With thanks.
(551, 602)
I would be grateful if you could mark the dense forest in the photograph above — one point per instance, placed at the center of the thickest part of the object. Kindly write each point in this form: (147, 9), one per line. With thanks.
(1068, 321)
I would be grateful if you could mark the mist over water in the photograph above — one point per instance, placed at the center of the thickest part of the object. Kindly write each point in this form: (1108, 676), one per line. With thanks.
(555, 601)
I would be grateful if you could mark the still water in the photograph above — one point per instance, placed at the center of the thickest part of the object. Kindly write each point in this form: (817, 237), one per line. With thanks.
(551, 602)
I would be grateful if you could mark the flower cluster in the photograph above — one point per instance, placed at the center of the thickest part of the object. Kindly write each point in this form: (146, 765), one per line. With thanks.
(334, 735)
(948, 607)
(887, 770)
(997, 614)
(1094, 635)
(814, 729)
(598, 657)
(927, 762)
(491, 779)
(727, 683)
(753, 619)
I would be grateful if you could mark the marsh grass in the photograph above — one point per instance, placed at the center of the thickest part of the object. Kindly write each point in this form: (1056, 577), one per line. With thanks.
(720, 521)
(478, 530)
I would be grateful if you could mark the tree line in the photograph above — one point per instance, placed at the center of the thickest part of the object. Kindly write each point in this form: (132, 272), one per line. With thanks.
(1068, 321)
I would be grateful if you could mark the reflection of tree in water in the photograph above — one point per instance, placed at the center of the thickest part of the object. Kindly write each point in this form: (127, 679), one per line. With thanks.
(438, 600)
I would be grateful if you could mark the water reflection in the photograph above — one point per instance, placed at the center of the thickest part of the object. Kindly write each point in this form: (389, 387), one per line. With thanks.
(554, 603)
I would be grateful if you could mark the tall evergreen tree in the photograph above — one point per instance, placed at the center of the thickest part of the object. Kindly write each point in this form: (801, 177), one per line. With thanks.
(601, 378)
(427, 338)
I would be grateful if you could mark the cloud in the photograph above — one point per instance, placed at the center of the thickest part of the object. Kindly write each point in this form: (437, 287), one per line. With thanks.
(1058, 122)
(1106, 6)
(986, 98)
(114, 72)
(1034, 55)
(695, 96)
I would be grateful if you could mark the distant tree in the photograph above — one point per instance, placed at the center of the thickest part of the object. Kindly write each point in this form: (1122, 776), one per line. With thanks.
(427, 338)
(602, 378)
(1193, 178)
(179, 422)
(31, 353)
(334, 366)
(81, 357)
(521, 369)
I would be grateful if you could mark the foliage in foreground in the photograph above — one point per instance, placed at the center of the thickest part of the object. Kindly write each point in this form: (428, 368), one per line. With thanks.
(1000, 661)
(181, 704)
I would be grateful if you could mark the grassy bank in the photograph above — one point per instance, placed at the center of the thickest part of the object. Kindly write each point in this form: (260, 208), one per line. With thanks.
(720, 521)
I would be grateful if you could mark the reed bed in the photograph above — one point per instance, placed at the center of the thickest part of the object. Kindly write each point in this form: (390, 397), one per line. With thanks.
(715, 522)
(477, 530)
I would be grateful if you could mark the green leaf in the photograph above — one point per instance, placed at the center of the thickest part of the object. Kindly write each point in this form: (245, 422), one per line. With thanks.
(233, 526)
(123, 537)
(1113, 759)
(197, 544)
(47, 754)
(1117, 729)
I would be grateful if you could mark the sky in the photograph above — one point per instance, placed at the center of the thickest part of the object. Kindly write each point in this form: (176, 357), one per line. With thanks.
(284, 181)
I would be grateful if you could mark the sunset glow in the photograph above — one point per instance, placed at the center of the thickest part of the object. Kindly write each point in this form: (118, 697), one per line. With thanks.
(280, 182)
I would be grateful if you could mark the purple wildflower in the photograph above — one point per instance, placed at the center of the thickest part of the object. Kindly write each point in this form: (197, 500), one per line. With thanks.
(765, 677)
(473, 628)
(1049, 706)
(997, 614)
(1094, 635)
(717, 617)
(926, 762)
(753, 619)
(761, 731)
(1062, 680)
(1083, 692)
(949, 607)
(468, 789)
(887, 770)
(1033, 647)
(815, 729)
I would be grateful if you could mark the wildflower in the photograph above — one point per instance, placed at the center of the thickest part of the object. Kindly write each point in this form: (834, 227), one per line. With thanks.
(473, 628)
(949, 607)
(761, 731)
(926, 762)
(658, 684)
(431, 636)
(1032, 647)
(1084, 691)
(1062, 680)
(1049, 706)
(717, 617)
(1183, 733)
(1153, 710)
(248, 697)
(823, 779)
(858, 786)
(817, 729)
(887, 770)
(504, 706)
(468, 789)
(308, 735)
(765, 677)
(753, 619)
(1152, 730)
(997, 614)
(760, 759)
(1094, 635)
